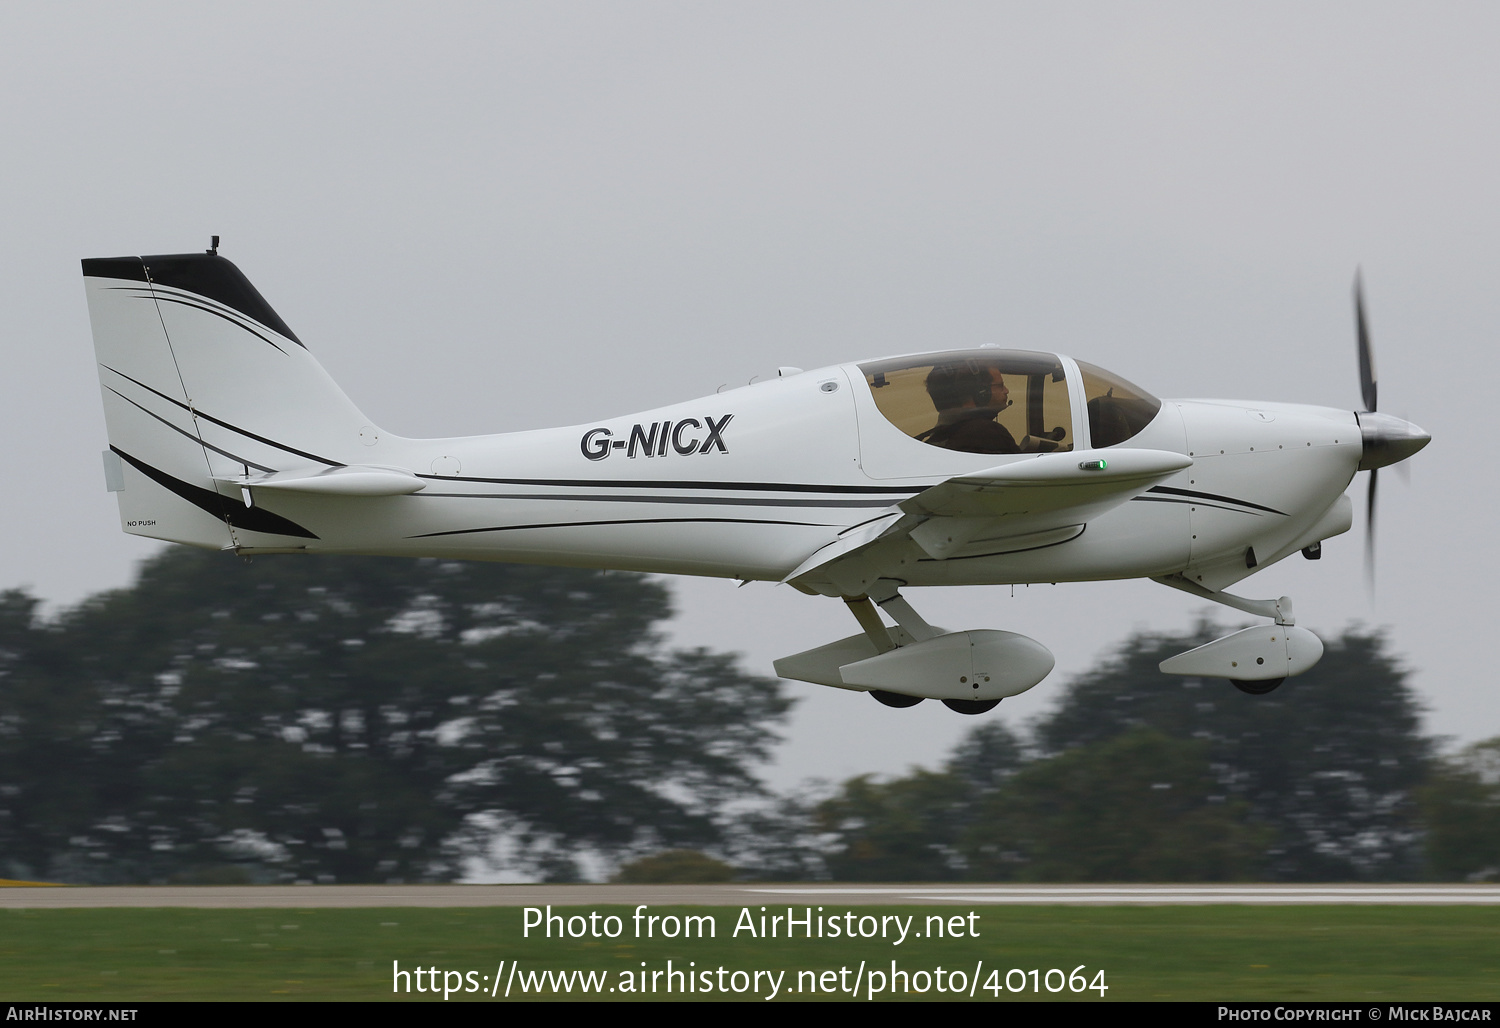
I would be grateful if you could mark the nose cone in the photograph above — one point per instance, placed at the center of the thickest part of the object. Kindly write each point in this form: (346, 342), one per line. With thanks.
(1388, 440)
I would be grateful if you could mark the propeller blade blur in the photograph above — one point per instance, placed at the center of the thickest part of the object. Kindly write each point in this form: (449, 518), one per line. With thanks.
(1366, 355)
(1370, 534)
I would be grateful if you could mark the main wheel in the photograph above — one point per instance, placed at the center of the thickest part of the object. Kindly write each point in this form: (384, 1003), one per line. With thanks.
(895, 699)
(1257, 688)
(971, 706)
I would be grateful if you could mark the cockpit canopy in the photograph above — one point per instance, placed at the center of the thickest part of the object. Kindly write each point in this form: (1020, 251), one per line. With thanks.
(1003, 401)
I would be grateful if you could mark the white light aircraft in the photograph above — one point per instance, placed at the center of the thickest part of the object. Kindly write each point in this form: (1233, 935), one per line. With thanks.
(969, 467)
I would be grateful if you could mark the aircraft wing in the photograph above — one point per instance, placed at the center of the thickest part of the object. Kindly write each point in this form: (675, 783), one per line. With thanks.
(1043, 499)
(1081, 483)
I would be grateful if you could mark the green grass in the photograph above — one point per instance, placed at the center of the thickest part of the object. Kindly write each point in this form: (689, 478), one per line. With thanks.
(1147, 953)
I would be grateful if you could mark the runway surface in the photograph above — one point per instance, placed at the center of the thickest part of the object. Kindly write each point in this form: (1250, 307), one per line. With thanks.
(754, 894)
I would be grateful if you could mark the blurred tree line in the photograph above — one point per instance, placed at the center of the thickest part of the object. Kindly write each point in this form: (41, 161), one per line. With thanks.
(371, 719)
(344, 719)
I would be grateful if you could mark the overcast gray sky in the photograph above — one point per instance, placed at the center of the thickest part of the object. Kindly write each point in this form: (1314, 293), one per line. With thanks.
(458, 206)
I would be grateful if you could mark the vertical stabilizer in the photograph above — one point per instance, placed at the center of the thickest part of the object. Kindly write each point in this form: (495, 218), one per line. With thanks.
(203, 381)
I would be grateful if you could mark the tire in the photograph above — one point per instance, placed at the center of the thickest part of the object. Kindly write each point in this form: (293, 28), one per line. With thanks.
(895, 699)
(1257, 688)
(971, 706)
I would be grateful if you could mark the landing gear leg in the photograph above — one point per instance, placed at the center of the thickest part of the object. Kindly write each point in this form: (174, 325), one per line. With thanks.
(1279, 610)
(869, 619)
(894, 604)
(864, 612)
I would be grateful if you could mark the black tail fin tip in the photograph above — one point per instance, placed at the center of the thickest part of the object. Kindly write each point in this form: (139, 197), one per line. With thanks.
(206, 274)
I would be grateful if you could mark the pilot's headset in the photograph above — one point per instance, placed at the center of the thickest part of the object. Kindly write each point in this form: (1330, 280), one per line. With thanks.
(981, 389)
(984, 385)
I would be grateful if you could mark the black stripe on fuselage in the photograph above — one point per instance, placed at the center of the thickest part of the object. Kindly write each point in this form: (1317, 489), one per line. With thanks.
(740, 501)
(869, 521)
(623, 483)
(622, 521)
(1195, 503)
(1194, 494)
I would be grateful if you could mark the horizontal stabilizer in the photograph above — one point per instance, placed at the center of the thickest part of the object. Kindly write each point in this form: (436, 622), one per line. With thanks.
(345, 481)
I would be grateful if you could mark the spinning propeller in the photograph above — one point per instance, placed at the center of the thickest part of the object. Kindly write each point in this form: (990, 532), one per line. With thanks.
(1387, 440)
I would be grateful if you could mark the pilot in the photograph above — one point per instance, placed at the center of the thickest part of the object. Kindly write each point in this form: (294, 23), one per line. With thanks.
(968, 396)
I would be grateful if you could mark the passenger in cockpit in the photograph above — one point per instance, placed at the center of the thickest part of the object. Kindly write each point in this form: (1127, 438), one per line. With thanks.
(968, 396)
